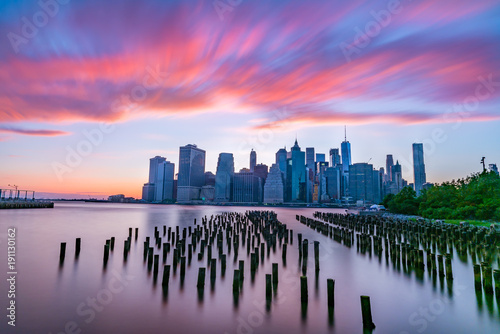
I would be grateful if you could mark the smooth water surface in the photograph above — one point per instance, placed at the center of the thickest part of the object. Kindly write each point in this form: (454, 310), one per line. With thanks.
(82, 296)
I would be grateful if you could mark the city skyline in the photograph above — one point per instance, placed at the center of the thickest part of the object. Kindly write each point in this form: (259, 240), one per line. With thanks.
(91, 93)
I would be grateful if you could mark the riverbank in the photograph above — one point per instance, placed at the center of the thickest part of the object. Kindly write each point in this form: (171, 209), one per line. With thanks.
(448, 221)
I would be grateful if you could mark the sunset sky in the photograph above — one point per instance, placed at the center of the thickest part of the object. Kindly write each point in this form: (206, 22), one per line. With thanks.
(141, 78)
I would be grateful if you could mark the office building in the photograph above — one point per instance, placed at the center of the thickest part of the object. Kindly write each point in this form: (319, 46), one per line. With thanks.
(191, 173)
(253, 160)
(246, 188)
(224, 177)
(274, 186)
(335, 159)
(418, 167)
(310, 158)
(295, 190)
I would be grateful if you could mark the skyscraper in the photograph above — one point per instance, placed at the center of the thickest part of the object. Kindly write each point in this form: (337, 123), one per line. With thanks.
(224, 177)
(149, 189)
(334, 157)
(389, 162)
(320, 157)
(397, 177)
(493, 168)
(164, 183)
(310, 158)
(153, 167)
(418, 167)
(246, 188)
(191, 173)
(274, 186)
(364, 183)
(295, 190)
(345, 147)
(253, 160)
(333, 175)
(281, 157)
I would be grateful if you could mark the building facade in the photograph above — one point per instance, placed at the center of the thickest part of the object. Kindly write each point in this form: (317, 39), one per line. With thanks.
(274, 186)
(191, 173)
(418, 167)
(224, 178)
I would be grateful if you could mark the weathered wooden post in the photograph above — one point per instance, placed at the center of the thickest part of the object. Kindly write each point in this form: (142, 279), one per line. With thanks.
(477, 277)
(269, 288)
(150, 258)
(62, 252)
(449, 272)
(78, 246)
(331, 292)
(303, 290)
(496, 275)
(236, 281)
(275, 273)
(156, 265)
(367, 313)
(223, 265)
(283, 253)
(487, 280)
(241, 270)
(441, 265)
(201, 279)
(106, 253)
(166, 276)
(316, 255)
(213, 269)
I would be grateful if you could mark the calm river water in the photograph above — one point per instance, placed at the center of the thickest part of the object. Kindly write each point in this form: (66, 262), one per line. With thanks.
(83, 297)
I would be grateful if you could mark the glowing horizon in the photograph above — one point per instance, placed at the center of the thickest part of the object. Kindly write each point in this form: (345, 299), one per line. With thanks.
(230, 77)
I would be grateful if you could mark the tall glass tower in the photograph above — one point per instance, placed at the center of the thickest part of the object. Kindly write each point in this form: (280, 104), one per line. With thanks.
(253, 160)
(224, 177)
(418, 167)
(191, 173)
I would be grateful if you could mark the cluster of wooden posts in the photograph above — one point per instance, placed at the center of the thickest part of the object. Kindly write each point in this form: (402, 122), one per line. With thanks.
(406, 241)
(257, 232)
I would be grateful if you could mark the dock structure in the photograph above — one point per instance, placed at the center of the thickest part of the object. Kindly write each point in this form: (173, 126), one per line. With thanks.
(26, 205)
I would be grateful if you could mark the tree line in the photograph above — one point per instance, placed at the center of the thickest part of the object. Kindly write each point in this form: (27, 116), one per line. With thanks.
(475, 197)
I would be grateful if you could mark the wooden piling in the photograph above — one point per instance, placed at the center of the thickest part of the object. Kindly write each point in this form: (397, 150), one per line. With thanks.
(275, 273)
(367, 313)
(477, 277)
(201, 279)
(106, 253)
(78, 244)
(62, 252)
(496, 275)
(236, 281)
(331, 292)
(303, 290)
(316, 255)
(449, 272)
(269, 288)
(241, 270)
(166, 275)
